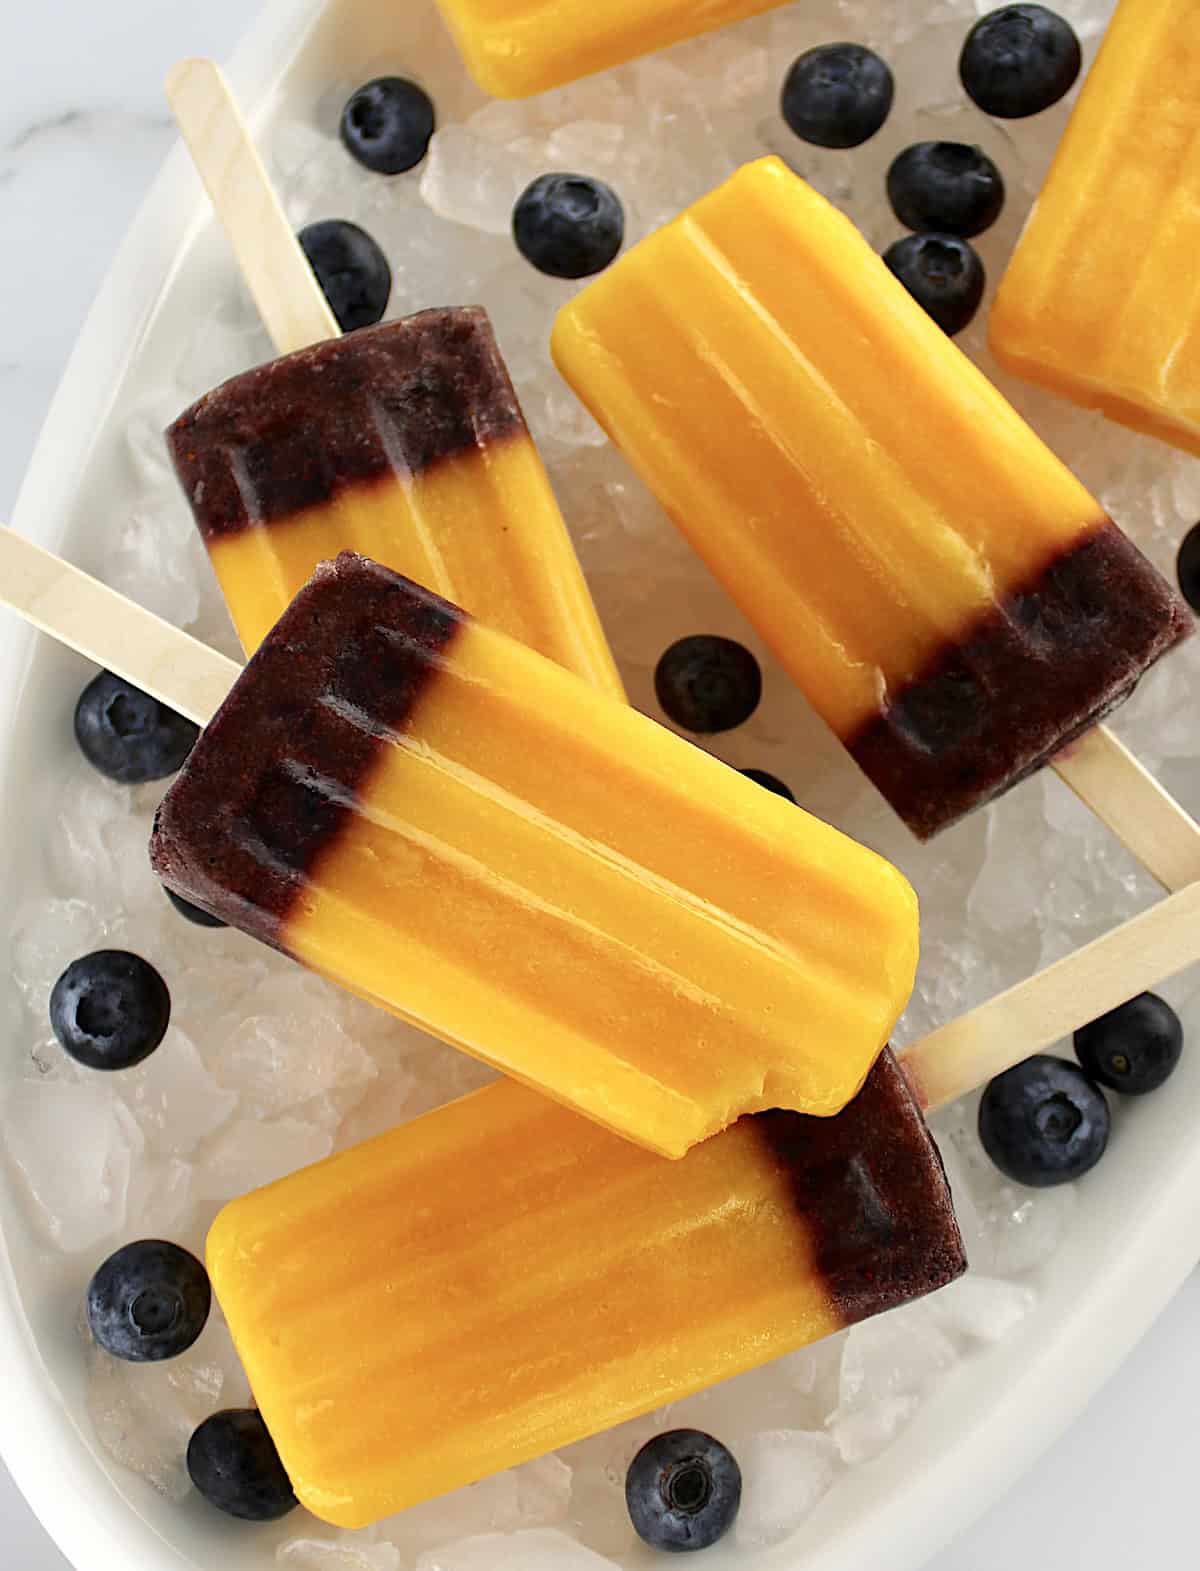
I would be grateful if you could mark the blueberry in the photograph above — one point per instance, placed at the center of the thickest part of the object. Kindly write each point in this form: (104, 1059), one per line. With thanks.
(683, 1490)
(351, 269)
(110, 1009)
(945, 186)
(1044, 1122)
(768, 782)
(148, 1302)
(569, 226)
(1187, 567)
(1133, 1049)
(1019, 60)
(193, 913)
(837, 95)
(942, 273)
(233, 1462)
(127, 735)
(386, 125)
(706, 684)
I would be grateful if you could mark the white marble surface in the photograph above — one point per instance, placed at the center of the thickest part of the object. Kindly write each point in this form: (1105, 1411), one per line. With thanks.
(82, 129)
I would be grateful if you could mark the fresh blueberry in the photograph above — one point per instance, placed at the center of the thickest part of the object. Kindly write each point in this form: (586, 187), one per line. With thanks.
(683, 1490)
(569, 226)
(1133, 1049)
(1044, 1122)
(351, 269)
(233, 1462)
(386, 125)
(148, 1302)
(769, 782)
(127, 735)
(110, 1009)
(837, 95)
(706, 684)
(947, 187)
(1187, 567)
(943, 273)
(1019, 60)
(193, 913)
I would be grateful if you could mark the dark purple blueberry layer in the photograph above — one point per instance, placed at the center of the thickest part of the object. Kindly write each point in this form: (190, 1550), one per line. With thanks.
(1033, 674)
(277, 772)
(293, 434)
(873, 1192)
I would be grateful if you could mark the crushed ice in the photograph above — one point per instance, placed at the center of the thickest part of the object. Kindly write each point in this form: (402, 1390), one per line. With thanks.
(266, 1069)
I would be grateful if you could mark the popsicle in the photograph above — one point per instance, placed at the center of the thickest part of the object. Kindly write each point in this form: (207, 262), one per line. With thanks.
(1100, 301)
(949, 597)
(443, 820)
(501, 1277)
(514, 48)
(406, 440)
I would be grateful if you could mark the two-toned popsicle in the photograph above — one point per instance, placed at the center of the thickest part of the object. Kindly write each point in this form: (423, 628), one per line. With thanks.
(445, 821)
(949, 597)
(407, 442)
(500, 1278)
(514, 48)
(1100, 301)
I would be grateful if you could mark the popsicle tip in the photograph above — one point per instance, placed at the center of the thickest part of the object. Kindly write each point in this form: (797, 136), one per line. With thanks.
(183, 69)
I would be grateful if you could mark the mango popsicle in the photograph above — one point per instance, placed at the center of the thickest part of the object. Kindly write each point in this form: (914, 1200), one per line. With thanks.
(949, 597)
(405, 441)
(500, 1278)
(514, 48)
(1100, 301)
(448, 823)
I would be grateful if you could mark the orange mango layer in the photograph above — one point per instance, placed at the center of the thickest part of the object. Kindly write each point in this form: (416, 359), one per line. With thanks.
(534, 872)
(514, 48)
(1101, 302)
(343, 447)
(857, 485)
(501, 1278)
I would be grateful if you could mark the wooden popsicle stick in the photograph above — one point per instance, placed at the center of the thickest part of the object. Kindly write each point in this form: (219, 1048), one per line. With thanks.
(103, 625)
(1126, 797)
(1031, 1016)
(286, 292)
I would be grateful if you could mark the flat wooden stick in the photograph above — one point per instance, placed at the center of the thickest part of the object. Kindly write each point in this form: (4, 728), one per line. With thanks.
(107, 628)
(1031, 1016)
(285, 289)
(1126, 797)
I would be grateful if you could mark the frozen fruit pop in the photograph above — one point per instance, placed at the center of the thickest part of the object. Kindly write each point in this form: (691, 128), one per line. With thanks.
(949, 597)
(446, 822)
(1100, 301)
(500, 1278)
(405, 441)
(514, 48)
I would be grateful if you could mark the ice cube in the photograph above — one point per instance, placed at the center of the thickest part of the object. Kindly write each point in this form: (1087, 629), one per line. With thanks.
(175, 1100)
(48, 935)
(893, 1354)
(982, 1308)
(341, 1554)
(145, 1414)
(862, 1435)
(538, 1549)
(74, 1144)
(279, 1061)
(785, 1473)
(161, 1195)
(248, 1154)
(475, 182)
(536, 1494)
